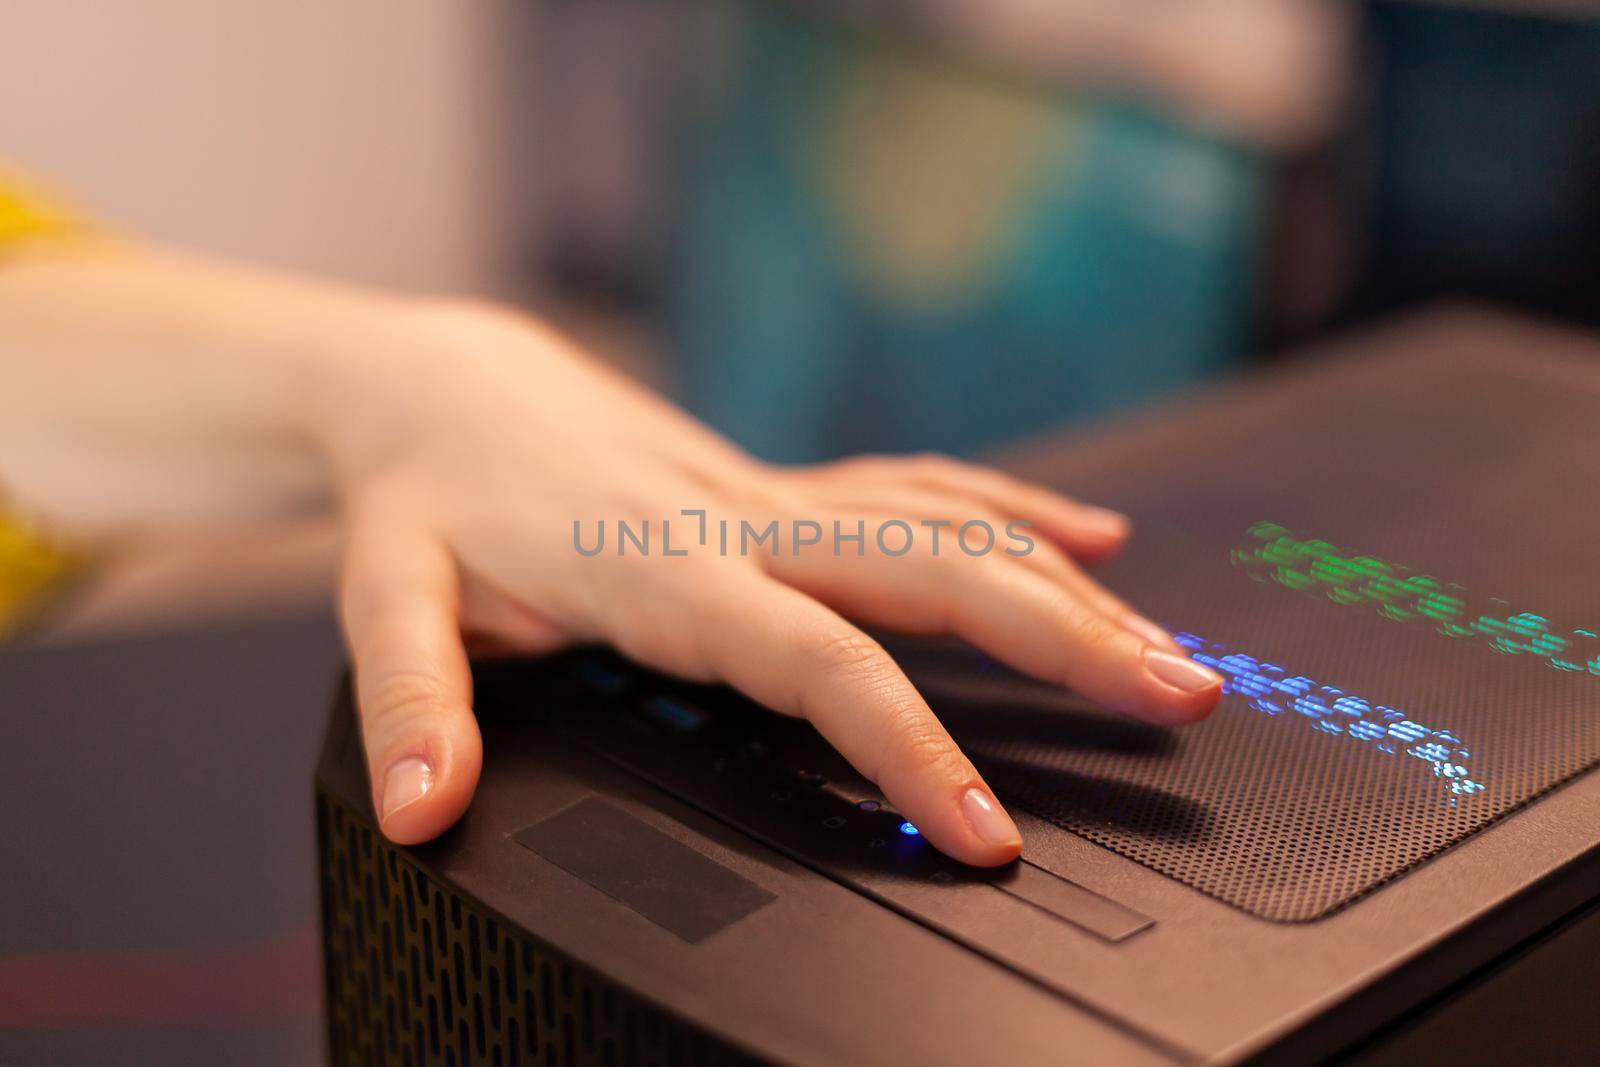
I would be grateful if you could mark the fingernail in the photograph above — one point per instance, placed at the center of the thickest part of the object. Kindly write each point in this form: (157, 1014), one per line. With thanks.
(988, 819)
(1179, 671)
(406, 783)
(1142, 627)
(1105, 521)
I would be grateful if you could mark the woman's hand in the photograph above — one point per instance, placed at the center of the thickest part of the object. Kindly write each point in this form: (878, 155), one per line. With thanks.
(479, 440)
(463, 443)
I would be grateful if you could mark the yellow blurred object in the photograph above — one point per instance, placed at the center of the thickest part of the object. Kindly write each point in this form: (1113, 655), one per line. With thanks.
(27, 213)
(30, 568)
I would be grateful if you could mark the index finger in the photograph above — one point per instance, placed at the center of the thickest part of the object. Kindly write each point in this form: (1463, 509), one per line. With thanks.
(785, 650)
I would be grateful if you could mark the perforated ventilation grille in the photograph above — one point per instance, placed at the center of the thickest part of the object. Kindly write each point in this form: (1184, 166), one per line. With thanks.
(418, 975)
(1457, 470)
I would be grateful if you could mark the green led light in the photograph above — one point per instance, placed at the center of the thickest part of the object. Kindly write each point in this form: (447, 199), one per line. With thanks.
(1397, 593)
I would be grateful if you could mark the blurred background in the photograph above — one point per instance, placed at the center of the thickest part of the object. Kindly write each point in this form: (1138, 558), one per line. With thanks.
(825, 227)
(829, 227)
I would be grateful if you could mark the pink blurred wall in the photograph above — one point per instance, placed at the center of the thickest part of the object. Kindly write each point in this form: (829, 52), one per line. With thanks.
(379, 140)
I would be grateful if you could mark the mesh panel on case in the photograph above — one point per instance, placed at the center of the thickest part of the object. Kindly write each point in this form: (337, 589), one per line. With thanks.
(1478, 476)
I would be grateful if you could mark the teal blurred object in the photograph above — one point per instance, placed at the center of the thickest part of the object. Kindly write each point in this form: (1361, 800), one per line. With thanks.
(882, 252)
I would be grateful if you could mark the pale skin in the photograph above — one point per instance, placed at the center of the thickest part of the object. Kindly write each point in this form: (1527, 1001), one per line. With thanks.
(459, 441)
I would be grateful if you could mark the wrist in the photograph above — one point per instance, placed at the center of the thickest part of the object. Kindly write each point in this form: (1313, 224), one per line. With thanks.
(374, 371)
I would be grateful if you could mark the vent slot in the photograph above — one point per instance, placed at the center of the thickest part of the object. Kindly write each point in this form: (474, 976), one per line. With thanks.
(417, 974)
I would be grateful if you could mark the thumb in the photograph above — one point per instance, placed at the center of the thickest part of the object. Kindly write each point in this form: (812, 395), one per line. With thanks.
(399, 597)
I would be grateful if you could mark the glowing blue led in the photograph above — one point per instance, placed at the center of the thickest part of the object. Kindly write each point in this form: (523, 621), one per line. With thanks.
(1265, 688)
(601, 678)
(1367, 731)
(675, 713)
(1434, 751)
(909, 830)
(1408, 731)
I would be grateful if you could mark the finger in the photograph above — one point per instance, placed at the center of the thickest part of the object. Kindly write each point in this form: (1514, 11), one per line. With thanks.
(1058, 567)
(1084, 531)
(921, 506)
(1017, 615)
(786, 651)
(398, 598)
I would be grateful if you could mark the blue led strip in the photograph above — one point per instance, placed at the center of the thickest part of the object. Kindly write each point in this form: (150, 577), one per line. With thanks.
(1271, 690)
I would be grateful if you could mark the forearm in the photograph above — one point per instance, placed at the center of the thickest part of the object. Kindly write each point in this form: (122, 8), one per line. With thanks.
(140, 387)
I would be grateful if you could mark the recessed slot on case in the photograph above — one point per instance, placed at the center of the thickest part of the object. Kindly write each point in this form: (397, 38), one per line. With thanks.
(1068, 900)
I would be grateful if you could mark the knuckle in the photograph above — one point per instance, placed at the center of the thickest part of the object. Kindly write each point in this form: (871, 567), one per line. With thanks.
(995, 521)
(968, 572)
(918, 746)
(857, 469)
(864, 463)
(932, 463)
(852, 654)
(1086, 629)
(664, 645)
(402, 700)
(1048, 552)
